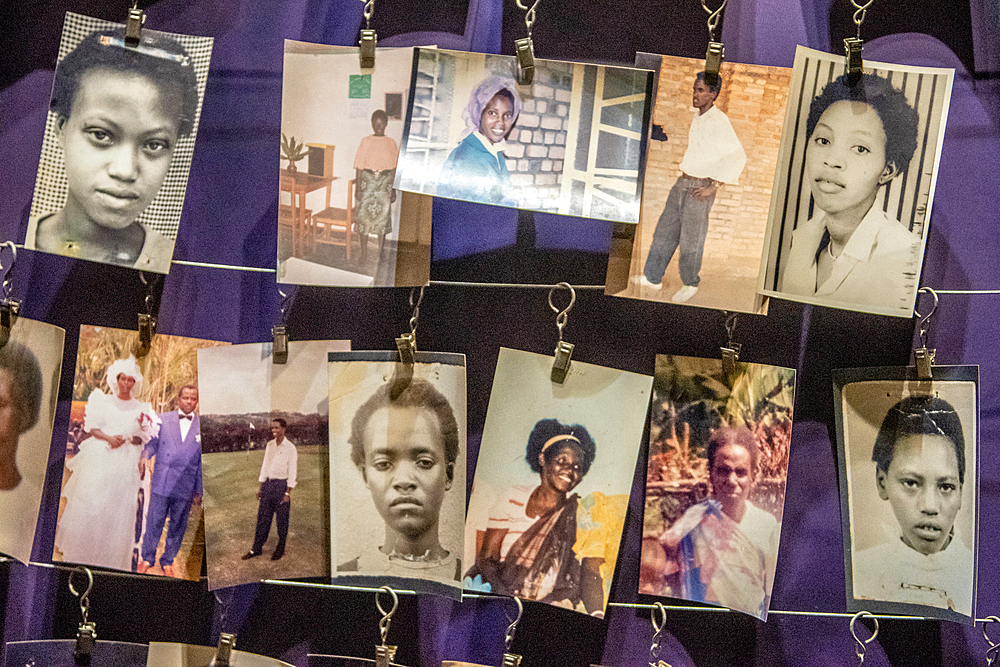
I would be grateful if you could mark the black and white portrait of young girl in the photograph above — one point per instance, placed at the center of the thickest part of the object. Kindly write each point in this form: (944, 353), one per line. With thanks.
(909, 485)
(854, 184)
(118, 144)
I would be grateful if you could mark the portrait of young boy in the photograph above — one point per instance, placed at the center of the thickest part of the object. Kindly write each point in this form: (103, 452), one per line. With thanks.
(397, 470)
(118, 145)
(910, 467)
(847, 229)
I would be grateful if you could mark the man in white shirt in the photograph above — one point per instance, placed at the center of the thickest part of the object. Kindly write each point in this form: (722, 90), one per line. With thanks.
(277, 479)
(714, 156)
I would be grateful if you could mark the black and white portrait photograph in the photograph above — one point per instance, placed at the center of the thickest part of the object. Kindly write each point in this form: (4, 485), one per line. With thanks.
(119, 139)
(854, 184)
(909, 489)
(30, 364)
(340, 219)
(131, 495)
(712, 149)
(570, 143)
(397, 469)
(264, 462)
(552, 481)
(170, 654)
(715, 482)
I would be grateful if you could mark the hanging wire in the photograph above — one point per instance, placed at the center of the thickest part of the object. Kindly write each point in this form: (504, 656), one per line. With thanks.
(715, 15)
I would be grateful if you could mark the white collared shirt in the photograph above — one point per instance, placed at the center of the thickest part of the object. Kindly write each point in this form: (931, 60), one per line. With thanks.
(495, 149)
(280, 462)
(185, 424)
(713, 151)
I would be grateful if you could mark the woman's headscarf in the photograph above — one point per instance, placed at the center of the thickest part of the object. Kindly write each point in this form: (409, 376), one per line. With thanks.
(481, 96)
(129, 368)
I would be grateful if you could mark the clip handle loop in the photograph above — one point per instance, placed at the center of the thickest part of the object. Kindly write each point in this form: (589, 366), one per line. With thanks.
(862, 644)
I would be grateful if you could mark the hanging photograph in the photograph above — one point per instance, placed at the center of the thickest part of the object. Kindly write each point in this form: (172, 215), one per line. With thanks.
(397, 470)
(131, 489)
(340, 219)
(169, 654)
(854, 184)
(119, 138)
(712, 150)
(264, 461)
(30, 364)
(715, 483)
(571, 143)
(909, 488)
(552, 481)
(60, 653)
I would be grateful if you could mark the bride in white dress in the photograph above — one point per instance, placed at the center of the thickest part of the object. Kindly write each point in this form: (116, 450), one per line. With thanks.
(98, 525)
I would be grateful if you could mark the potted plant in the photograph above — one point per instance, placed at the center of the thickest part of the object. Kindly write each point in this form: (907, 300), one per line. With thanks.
(293, 151)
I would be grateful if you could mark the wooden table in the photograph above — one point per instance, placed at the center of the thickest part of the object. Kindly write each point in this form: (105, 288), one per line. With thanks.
(298, 184)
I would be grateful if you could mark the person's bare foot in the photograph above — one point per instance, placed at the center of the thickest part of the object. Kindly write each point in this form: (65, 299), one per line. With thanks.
(143, 567)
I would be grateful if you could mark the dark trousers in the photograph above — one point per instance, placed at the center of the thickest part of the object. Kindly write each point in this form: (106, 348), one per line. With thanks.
(161, 508)
(272, 492)
(684, 223)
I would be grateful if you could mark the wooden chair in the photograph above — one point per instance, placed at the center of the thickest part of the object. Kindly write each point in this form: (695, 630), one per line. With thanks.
(286, 218)
(334, 225)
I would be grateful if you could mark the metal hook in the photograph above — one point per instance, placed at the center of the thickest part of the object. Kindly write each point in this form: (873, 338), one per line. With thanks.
(714, 16)
(10, 267)
(859, 14)
(659, 618)
(993, 652)
(509, 637)
(383, 623)
(564, 350)
(85, 596)
(731, 350)
(416, 311)
(562, 316)
(862, 643)
(923, 356)
(279, 332)
(925, 319)
(524, 48)
(147, 321)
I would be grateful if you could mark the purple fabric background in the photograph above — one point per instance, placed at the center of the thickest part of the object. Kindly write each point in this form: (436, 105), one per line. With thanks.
(229, 219)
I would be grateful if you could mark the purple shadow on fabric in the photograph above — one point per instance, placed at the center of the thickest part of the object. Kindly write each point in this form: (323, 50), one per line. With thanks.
(463, 228)
(481, 31)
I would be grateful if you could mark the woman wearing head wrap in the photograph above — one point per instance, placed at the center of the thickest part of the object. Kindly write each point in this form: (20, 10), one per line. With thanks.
(98, 525)
(476, 170)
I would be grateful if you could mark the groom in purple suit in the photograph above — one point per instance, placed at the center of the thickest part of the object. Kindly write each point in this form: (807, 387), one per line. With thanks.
(176, 482)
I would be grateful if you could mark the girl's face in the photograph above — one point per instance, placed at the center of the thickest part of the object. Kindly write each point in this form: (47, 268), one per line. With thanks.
(125, 384)
(497, 119)
(378, 125)
(923, 489)
(118, 141)
(562, 470)
(845, 159)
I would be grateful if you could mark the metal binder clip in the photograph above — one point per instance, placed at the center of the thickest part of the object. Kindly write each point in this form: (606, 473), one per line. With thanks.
(9, 307)
(512, 659)
(525, 48)
(862, 644)
(147, 321)
(924, 356)
(223, 652)
(993, 652)
(659, 619)
(853, 45)
(133, 27)
(407, 346)
(368, 38)
(564, 350)
(716, 51)
(731, 352)
(279, 332)
(385, 653)
(86, 633)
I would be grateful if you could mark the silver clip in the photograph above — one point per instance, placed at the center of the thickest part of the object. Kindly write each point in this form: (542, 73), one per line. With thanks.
(147, 321)
(512, 659)
(86, 633)
(385, 653)
(407, 346)
(9, 306)
(279, 332)
(524, 48)
(658, 618)
(862, 644)
(852, 55)
(224, 651)
(366, 45)
(713, 62)
(731, 351)
(564, 351)
(133, 26)
(993, 652)
(924, 356)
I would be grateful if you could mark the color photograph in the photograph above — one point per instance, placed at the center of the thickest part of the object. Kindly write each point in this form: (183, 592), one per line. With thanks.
(397, 470)
(854, 184)
(715, 483)
(712, 150)
(119, 139)
(340, 219)
(571, 143)
(30, 364)
(131, 489)
(909, 489)
(552, 481)
(264, 460)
